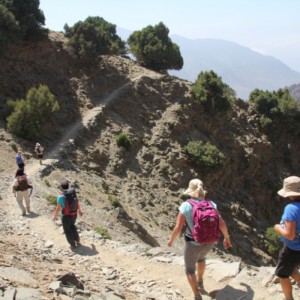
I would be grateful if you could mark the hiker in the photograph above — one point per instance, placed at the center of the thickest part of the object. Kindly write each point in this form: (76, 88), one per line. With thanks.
(39, 151)
(289, 228)
(20, 161)
(21, 185)
(198, 243)
(68, 204)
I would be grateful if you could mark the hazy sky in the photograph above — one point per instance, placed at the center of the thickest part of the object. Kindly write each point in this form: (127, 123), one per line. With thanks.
(270, 27)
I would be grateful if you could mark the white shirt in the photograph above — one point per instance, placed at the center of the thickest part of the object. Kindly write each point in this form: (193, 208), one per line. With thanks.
(16, 181)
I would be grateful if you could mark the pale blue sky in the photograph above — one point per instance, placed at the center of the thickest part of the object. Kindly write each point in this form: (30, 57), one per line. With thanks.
(270, 27)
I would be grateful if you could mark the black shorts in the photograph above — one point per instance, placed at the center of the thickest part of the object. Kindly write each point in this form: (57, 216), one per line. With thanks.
(287, 262)
(40, 155)
(21, 166)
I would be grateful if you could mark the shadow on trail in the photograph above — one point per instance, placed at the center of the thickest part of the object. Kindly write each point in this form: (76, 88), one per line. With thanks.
(229, 293)
(86, 250)
(32, 215)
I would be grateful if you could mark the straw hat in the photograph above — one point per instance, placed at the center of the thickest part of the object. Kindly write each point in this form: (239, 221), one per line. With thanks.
(291, 187)
(195, 189)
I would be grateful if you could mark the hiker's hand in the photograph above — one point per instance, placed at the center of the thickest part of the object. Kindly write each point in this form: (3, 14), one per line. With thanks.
(54, 218)
(277, 227)
(170, 243)
(226, 242)
(80, 213)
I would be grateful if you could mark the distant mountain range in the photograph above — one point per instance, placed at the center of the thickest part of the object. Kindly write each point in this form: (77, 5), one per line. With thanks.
(240, 67)
(295, 91)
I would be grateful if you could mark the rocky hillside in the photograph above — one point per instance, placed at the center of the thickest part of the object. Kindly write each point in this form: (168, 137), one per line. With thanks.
(160, 115)
(295, 91)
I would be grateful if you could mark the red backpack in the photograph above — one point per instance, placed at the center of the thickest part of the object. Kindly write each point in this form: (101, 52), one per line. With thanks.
(71, 202)
(206, 222)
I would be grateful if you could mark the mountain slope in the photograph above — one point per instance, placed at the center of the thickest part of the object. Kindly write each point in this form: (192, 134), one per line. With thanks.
(240, 67)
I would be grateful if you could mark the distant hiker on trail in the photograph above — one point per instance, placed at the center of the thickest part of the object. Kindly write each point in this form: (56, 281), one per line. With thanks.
(20, 161)
(67, 203)
(21, 185)
(289, 228)
(39, 151)
(200, 238)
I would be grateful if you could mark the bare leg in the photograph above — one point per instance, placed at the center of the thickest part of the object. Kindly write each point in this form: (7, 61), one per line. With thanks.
(286, 287)
(200, 269)
(193, 283)
(296, 275)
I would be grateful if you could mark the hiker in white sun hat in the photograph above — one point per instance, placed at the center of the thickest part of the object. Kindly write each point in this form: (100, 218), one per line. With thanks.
(289, 228)
(203, 225)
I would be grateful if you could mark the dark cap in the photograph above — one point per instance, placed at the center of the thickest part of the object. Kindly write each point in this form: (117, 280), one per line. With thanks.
(65, 184)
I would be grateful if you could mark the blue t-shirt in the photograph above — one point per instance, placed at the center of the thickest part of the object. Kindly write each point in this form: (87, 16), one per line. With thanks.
(60, 200)
(187, 209)
(19, 159)
(292, 213)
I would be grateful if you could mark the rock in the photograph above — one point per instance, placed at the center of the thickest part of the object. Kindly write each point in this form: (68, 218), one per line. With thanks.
(17, 275)
(49, 244)
(266, 275)
(79, 298)
(28, 294)
(220, 270)
(109, 296)
(95, 297)
(164, 259)
(155, 251)
(238, 288)
(3, 284)
(55, 285)
(10, 294)
(70, 277)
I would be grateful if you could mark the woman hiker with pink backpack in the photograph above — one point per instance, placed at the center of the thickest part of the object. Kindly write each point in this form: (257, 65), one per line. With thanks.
(203, 228)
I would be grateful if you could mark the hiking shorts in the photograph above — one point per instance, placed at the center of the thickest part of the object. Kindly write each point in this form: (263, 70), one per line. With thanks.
(288, 260)
(40, 155)
(195, 254)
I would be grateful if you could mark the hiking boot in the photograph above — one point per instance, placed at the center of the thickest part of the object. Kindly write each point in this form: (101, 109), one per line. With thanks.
(200, 284)
(199, 297)
(78, 244)
(73, 246)
(24, 213)
(28, 210)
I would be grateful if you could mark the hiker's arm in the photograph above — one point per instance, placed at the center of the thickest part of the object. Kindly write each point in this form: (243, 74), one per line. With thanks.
(223, 228)
(80, 212)
(58, 208)
(177, 229)
(289, 232)
(22, 160)
(14, 189)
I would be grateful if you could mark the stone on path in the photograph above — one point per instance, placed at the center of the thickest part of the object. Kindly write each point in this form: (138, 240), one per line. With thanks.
(110, 296)
(55, 285)
(17, 275)
(238, 288)
(49, 244)
(28, 294)
(266, 275)
(220, 270)
(164, 259)
(155, 251)
(2, 284)
(9, 294)
(70, 277)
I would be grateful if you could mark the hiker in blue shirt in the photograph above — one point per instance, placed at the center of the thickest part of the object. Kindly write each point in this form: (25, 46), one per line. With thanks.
(67, 204)
(289, 228)
(194, 252)
(20, 161)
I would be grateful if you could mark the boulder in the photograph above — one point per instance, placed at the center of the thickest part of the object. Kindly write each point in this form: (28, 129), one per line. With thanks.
(266, 275)
(220, 270)
(70, 277)
(17, 275)
(9, 294)
(28, 294)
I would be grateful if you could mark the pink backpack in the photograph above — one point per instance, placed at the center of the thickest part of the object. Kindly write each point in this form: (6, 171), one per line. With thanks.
(206, 222)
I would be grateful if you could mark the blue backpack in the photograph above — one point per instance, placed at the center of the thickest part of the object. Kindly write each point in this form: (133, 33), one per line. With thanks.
(19, 159)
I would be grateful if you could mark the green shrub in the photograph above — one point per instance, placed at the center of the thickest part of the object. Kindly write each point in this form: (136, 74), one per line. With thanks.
(156, 222)
(103, 232)
(47, 182)
(145, 142)
(207, 156)
(267, 124)
(114, 201)
(274, 241)
(52, 199)
(165, 211)
(13, 146)
(153, 48)
(88, 202)
(94, 37)
(29, 115)
(124, 141)
(163, 168)
(212, 93)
